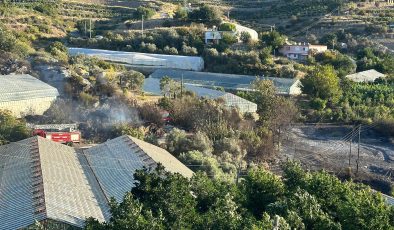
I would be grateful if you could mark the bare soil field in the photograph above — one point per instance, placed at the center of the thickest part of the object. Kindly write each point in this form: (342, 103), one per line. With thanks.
(328, 147)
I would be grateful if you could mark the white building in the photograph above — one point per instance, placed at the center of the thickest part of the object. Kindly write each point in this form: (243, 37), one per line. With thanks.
(301, 51)
(213, 35)
(365, 76)
(25, 95)
(144, 59)
(44, 180)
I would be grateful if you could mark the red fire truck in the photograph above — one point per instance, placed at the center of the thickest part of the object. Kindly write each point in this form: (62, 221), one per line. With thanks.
(62, 133)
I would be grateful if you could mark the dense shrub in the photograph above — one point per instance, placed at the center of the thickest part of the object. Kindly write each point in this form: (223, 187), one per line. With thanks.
(11, 129)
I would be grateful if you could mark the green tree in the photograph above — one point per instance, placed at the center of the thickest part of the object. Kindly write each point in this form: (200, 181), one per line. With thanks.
(144, 11)
(206, 13)
(170, 87)
(227, 27)
(181, 13)
(264, 97)
(11, 129)
(299, 200)
(261, 188)
(245, 37)
(273, 39)
(132, 80)
(177, 141)
(126, 129)
(166, 195)
(330, 40)
(7, 40)
(228, 39)
(59, 51)
(322, 83)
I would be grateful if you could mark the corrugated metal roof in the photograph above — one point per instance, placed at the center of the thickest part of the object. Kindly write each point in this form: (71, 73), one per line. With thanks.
(160, 155)
(115, 161)
(227, 81)
(152, 85)
(24, 87)
(365, 76)
(144, 59)
(16, 201)
(41, 179)
(71, 192)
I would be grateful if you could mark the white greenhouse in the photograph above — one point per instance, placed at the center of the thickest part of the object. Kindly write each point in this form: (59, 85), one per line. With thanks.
(25, 95)
(144, 59)
(253, 33)
(152, 86)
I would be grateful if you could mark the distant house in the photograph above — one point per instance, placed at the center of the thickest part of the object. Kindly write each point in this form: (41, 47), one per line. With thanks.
(152, 86)
(284, 86)
(365, 76)
(42, 180)
(301, 51)
(25, 95)
(213, 35)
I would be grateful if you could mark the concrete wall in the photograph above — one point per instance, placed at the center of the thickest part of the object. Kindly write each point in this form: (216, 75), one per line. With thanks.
(34, 106)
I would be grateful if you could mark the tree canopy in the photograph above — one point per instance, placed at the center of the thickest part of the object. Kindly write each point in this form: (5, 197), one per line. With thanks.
(322, 83)
(299, 200)
(11, 129)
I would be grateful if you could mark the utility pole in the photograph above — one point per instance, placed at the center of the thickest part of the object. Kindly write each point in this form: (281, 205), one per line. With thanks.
(85, 28)
(90, 28)
(142, 25)
(350, 150)
(182, 86)
(358, 149)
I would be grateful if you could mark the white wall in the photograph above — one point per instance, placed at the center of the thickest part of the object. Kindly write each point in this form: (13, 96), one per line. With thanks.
(34, 106)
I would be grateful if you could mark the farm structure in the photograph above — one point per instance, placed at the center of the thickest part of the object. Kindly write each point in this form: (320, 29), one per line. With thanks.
(365, 76)
(144, 59)
(152, 86)
(25, 95)
(301, 51)
(213, 35)
(44, 180)
(284, 86)
(254, 36)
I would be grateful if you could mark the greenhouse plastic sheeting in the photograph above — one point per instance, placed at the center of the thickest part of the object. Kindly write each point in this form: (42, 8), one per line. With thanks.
(144, 59)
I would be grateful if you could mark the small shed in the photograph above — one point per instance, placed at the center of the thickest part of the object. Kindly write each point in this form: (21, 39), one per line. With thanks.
(365, 76)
